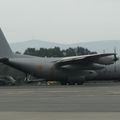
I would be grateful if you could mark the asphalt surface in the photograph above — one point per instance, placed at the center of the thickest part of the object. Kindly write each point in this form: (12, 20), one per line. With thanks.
(87, 98)
(58, 116)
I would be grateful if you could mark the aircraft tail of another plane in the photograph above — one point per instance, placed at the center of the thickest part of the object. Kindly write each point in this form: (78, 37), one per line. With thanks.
(5, 50)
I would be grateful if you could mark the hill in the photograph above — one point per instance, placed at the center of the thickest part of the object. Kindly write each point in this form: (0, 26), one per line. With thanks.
(98, 46)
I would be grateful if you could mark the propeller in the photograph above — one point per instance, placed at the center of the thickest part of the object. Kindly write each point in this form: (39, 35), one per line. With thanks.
(115, 55)
(115, 58)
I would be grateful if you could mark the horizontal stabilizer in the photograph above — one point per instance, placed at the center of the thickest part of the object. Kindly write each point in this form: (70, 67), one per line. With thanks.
(3, 60)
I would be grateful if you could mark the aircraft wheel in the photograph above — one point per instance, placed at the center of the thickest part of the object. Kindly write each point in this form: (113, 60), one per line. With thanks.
(76, 83)
(67, 83)
(72, 83)
(81, 83)
(63, 83)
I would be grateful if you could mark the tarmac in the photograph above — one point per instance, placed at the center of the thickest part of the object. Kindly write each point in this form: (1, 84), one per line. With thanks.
(59, 116)
(87, 98)
(101, 101)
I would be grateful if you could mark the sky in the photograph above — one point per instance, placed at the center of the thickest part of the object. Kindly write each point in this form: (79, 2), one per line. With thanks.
(60, 21)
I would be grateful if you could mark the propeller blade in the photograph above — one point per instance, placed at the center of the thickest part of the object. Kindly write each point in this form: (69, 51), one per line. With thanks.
(115, 58)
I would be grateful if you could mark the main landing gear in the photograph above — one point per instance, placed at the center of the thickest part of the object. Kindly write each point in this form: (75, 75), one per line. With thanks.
(28, 78)
(74, 80)
(72, 83)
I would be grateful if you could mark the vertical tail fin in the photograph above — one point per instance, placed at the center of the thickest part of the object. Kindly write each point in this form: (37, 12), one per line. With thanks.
(5, 50)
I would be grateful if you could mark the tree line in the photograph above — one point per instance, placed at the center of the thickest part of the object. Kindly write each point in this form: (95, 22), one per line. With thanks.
(57, 52)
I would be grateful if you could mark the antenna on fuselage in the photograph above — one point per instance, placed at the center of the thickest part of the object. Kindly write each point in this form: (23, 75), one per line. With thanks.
(103, 51)
(76, 51)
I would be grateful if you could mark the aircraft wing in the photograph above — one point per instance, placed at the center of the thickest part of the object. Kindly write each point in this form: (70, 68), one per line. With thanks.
(87, 59)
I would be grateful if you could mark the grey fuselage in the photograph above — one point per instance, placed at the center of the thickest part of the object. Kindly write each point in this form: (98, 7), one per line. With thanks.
(45, 68)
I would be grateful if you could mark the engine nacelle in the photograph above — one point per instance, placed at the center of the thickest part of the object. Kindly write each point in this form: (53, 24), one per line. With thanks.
(106, 60)
(89, 74)
(86, 74)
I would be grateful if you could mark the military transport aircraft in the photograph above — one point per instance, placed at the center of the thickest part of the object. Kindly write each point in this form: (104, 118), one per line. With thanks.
(75, 69)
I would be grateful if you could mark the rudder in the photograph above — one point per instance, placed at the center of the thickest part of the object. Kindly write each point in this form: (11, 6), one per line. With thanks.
(5, 50)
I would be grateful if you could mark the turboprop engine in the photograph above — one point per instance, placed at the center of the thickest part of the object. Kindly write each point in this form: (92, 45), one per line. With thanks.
(80, 78)
(107, 60)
